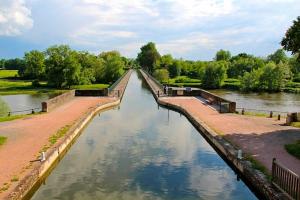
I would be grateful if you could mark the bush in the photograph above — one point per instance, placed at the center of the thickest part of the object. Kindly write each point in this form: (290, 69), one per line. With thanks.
(36, 83)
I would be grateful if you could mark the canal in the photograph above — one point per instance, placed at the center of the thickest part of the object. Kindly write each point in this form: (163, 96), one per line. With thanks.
(140, 151)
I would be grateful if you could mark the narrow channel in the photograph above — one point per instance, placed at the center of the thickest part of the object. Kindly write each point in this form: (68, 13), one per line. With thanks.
(140, 151)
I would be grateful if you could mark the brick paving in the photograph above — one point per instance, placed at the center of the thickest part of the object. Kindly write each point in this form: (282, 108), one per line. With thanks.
(261, 137)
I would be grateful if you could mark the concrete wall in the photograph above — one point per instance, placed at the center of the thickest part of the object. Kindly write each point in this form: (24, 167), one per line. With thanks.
(91, 93)
(53, 103)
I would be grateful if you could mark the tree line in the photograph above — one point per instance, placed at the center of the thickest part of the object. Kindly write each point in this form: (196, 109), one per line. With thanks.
(63, 67)
(247, 72)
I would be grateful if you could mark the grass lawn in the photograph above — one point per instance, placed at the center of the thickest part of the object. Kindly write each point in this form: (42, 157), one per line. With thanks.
(9, 85)
(183, 81)
(13, 117)
(2, 140)
(293, 149)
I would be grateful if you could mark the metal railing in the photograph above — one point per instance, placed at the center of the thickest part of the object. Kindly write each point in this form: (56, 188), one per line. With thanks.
(26, 111)
(285, 180)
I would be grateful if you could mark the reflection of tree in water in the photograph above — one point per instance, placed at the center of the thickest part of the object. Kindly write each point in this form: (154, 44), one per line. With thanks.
(4, 108)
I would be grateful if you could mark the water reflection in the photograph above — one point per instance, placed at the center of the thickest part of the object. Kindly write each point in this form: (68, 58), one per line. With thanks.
(283, 102)
(25, 101)
(138, 152)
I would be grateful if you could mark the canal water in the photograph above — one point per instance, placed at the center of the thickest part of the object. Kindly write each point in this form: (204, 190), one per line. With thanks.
(283, 102)
(21, 102)
(140, 151)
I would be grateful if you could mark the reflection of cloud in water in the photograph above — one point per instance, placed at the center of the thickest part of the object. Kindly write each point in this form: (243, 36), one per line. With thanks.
(136, 153)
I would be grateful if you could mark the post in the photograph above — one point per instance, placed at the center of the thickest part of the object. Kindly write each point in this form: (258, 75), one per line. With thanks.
(32, 112)
(118, 93)
(243, 111)
(43, 157)
(158, 93)
(9, 114)
(271, 114)
(239, 154)
(278, 117)
(273, 168)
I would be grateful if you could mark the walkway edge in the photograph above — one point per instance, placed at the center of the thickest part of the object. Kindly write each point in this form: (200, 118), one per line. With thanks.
(30, 182)
(254, 179)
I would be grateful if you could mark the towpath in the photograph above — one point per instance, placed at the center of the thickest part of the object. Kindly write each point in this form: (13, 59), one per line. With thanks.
(27, 137)
(263, 138)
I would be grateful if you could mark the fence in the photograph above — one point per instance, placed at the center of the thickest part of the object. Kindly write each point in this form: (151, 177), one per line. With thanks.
(285, 180)
(269, 113)
(26, 111)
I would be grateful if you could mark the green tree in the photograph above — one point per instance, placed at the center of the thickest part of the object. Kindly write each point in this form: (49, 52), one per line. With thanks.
(35, 65)
(223, 55)
(148, 57)
(291, 41)
(62, 66)
(250, 80)
(161, 75)
(278, 56)
(175, 69)
(165, 61)
(214, 75)
(240, 65)
(114, 64)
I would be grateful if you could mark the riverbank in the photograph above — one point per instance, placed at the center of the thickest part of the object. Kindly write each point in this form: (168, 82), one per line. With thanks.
(261, 138)
(33, 134)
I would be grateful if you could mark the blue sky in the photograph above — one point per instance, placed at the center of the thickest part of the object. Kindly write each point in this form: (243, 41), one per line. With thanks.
(189, 29)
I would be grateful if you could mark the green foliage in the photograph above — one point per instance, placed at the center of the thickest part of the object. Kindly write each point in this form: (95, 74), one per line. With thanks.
(161, 75)
(231, 83)
(35, 65)
(148, 57)
(293, 149)
(278, 56)
(214, 75)
(250, 80)
(2, 140)
(90, 86)
(243, 63)
(165, 62)
(223, 55)
(12, 64)
(291, 41)
(113, 66)
(174, 69)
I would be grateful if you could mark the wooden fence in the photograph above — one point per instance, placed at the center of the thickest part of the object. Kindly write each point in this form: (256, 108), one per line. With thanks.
(285, 180)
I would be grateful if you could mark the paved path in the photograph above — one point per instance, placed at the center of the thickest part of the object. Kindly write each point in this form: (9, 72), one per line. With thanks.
(264, 138)
(26, 137)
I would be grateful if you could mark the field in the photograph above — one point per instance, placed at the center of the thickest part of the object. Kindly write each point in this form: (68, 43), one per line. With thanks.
(11, 84)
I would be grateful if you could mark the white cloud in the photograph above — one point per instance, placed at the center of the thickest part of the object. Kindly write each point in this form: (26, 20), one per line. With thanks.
(15, 17)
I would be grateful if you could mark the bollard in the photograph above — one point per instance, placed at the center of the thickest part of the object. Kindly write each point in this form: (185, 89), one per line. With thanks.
(158, 93)
(243, 111)
(118, 93)
(9, 114)
(43, 156)
(278, 117)
(32, 112)
(239, 154)
(271, 114)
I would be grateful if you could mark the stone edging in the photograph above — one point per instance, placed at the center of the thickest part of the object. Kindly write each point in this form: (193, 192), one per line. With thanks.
(255, 179)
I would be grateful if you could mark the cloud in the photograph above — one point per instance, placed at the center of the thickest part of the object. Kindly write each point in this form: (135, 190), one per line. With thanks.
(15, 17)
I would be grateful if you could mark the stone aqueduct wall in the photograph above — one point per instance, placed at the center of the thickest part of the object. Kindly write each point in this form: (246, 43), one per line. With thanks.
(49, 105)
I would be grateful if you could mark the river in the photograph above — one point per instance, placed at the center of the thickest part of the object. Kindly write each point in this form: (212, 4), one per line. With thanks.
(140, 151)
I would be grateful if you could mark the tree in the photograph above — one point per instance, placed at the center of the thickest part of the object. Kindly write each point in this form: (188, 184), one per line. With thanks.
(148, 57)
(240, 65)
(175, 69)
(62, 66)
(214, 75)
(161, 75)
(114, 64)
(34, 65)
(291, 41)
(278, 56)
(165, 61)
(250, 80)
(223, 55)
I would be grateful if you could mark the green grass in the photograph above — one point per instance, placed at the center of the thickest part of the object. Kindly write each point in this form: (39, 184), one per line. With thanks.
(90, 87)
(231, 84)
(183, 81)
(295, 124)
(8, 73)
(293, 149)
(14, 117)
(59, 134)
(2, 140)
(258, 166)
(14, 179)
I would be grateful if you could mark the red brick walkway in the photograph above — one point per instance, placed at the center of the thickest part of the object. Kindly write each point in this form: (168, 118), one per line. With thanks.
(26, 137)
(264, 138)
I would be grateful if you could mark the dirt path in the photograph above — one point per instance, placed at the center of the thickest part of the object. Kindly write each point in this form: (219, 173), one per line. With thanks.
(26, 137)
(264, 138)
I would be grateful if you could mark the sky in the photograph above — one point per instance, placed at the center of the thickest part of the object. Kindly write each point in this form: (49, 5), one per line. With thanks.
(188, 29)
